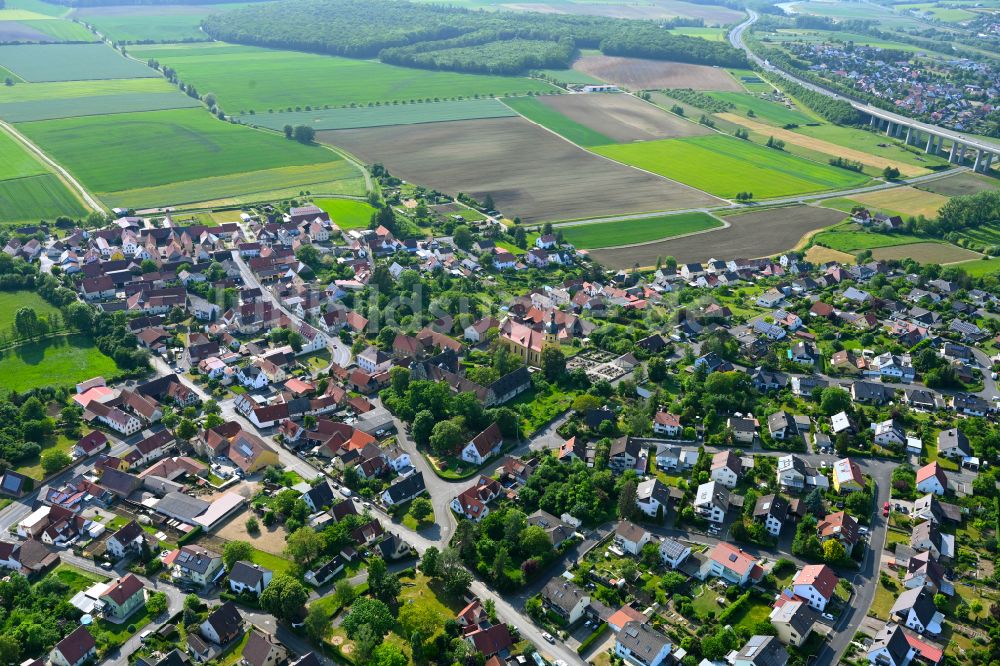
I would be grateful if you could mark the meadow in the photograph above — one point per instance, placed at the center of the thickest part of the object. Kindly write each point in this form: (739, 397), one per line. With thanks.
(381, 116)
(981, 267)
(644, 230)
(711, 34)
(724, 166)
(347, 213)
(765, 110)
(60, 361)
(547, 117)
(247, 78)
(11, 301)
(904, 200)
(69, 62)
(872, 143)
(58, 91)
(849, 238)
(136, 150)
(156, 23)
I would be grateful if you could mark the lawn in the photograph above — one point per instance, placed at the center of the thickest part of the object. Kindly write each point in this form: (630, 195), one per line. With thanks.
(10, 301)
(980, 268)
(59, 361)
(723, 166)
(347, 213)
(549, 118)
(380, 116)
(884, 599)
(167, 147)
(33, 466)
(626, 232)
(246, 78)
(536, 410)
(70, 62)
(275, 563)
(76, 579)
(765, 110)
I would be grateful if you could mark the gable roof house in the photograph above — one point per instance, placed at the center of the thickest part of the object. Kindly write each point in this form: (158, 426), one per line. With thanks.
(815, 583)
(793, 621)
(651, 496)
(761, 651)
(726, 468)
(123, 597)
(890, 647)
(840, 526)
(732, 564)
(772, 510)
(77, 648)
(484, 445)
(630, 537)
(640, 644)
(712, 501)
(223, 625)
(566, 599)
(915, 609)
(262, 649)
(249, 577)
(932, 479)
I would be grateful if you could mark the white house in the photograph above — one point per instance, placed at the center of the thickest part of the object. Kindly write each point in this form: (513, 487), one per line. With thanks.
(673, 552)
(640, 645)
(249, 577)
(816, 584)
(712, 501)
(665, 423)
(483, 446)
(931, 479)
(916, 610)
(726, 468)
(652, 495)
(630, 537)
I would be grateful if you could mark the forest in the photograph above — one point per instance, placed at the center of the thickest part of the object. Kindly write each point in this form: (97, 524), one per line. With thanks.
(439, 37)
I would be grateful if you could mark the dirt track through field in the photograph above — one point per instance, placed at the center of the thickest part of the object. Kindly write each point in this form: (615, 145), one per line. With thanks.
(622, 117)
(831, 149)
(530, 172)
(643, 74)
(757, 234)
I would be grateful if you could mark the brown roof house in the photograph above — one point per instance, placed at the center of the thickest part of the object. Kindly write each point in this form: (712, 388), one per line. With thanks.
(75, 649)
(262, 650)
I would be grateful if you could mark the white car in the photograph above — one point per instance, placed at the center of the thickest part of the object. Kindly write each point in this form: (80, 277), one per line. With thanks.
(345, 491)
(827, 616)
(549, 637)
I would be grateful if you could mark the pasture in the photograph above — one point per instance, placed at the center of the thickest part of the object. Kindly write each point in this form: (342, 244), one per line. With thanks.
(151, 23)
(246, 78)
(794, 138)
(380, 116)
(755, 234)
(347, 213)
(643, 230)
(547, 116)
(59, 361)
(981, 267)
(904, 200)
(70, 62)
(11, 301)
(529, 172)
(926, 253)
(643, 74)
(851, 238)
(622, 118)
(136, 150)
(723, 166)
(960, 184)
(766, 110)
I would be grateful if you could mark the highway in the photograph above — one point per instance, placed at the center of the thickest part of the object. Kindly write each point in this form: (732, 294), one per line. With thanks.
(736, 39)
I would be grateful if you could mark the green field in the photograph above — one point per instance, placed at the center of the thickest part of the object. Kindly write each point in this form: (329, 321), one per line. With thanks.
(58, 91)
(60, 361)
(70, 62)
(380, 116)
(28, 191)
(872, 143)
(170, 23)
(981, 267)
(946, 14)
(63, 31)
(711, 34)
(987, 233)
(347, 213)
(10, 301)
(627, 232)
(569, 76)
(17, 162)
(723, 166)
(755, 86)
(535, 111)
(37, 7)
(246, 78)
(19, 112)
(848, 238)
(139, 150)
(764, 110)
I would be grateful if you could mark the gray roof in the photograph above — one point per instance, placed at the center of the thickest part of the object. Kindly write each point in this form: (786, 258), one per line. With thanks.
(195, 558)
(642, 640)
(797, 614)
(248, 573)
(892, 638)
(953, 439)
(918, 599)
(764, 651)
(181, 506)
(403, 489)
(672, 548)
(563, 593)
(774, 505)
(653, 489)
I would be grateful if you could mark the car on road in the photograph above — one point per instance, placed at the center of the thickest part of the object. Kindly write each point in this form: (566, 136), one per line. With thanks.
(345, 491)
(827, 616)
(885, 509)
(549, 637)
(107, 565)
(862, 531)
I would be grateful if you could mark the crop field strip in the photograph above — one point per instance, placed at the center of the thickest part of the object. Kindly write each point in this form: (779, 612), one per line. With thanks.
(724, 166)
(622, 118)
(28, 191)
(58, 30)
(382, 116)
(643, 230)
(151, 23)
(246, 78)
(99, 105)
(961, 184)
(756, 234)
(546, 116)
(643, 74)
(905, 200)
(70, 62)
(529, 172)
(765, 110)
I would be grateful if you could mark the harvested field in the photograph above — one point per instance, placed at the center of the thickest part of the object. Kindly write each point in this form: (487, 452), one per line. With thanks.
(757, 234)
(643, 74)
(961, 184)
(529, 172)
(622, 118)
(905, 200)
(831, 149)
(926, 253)
(818, 254)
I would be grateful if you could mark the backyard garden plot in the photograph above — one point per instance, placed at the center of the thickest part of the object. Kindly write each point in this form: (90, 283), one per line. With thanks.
(960, 184)
(926, 253)
(111, 154)
(766, 110)
(151, 23)
(904, 200)
(826, 147)
(644, 230)
(70, 62)
(60, 361)
(643, 74)
(757, 234)
(529, 172)
(347, 213)
(381, 116)
(246, 78)
(622, 118)
(724, 166)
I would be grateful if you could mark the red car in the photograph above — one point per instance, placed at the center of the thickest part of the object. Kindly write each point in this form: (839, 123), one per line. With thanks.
(885, 509)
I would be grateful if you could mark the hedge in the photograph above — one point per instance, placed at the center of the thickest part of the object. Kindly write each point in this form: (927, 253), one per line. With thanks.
(592, 638)
(190, 536)
(737, 605)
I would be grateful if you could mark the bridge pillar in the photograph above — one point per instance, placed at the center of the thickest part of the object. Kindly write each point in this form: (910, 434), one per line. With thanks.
(909, 132)
(953, 153)
(989, 161)
(979, 160)
(889, 129)
(874, 121)
(930, 144)
(899, 130)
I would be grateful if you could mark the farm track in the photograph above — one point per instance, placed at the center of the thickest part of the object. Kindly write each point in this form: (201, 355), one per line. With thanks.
(72, 183)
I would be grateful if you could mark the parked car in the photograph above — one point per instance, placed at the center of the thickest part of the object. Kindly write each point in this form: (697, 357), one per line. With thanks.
(549, 637)
(345, 491)
(827, 616)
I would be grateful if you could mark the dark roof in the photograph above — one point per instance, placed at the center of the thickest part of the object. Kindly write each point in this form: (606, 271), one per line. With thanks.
(226, 619)
(320, 495)
(247, 573)
(763, 651)
(404, 489)
(774, 505)
(642, 640)
(892, 638)
(75, 646)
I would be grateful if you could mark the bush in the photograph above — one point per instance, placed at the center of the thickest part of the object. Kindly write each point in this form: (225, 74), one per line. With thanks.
(593, 638)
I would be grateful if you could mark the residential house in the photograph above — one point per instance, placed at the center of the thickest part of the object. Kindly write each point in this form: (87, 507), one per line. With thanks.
(557, 530)
(640, 644)
(840, 526)
(792, 473)
(129, 539)
(249, 577)
(665, 423)
(953, 444)
(726, 468)
(781, 425)
(889, 433)
(262, 649)
(472, 503)
(630, 537)
(744, 430)
(931, 479)
(847, 476)
(483, 446)
(815, 583)
(915, 609)
(403, 489)
(761, 651)
(566, 599)
(624, 454)
(194, 564)
(927, 536)
(773, 511)
(890, 647)
(652, 496)
(793, 621)
(673, 553)
(731, 564)
(223, 625)
(123, 597)
(77, 648)
(712, 501)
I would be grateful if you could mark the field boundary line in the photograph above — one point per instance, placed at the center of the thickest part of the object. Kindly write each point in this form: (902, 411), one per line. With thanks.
(63, 175)
(725, 225)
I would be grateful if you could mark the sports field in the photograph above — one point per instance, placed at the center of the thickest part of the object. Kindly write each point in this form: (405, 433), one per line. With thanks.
(246, 78)
(347, 213)
(61, 361)
(136, 150)
(763, 109)
(382, 116)
(724, 166)
(70, 62)
(905, 200)
(156, 23)
(535, 111)
(627, 232)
